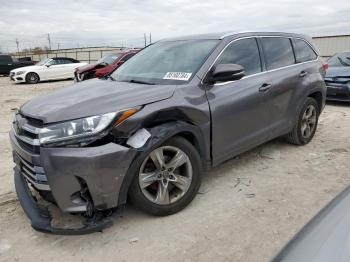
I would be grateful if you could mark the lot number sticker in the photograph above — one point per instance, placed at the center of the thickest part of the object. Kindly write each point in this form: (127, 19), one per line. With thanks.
(177, 76)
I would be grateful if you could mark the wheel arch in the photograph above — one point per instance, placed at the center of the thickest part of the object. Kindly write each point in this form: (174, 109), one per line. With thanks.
(160, 134)
(32, 72)
(317, 95)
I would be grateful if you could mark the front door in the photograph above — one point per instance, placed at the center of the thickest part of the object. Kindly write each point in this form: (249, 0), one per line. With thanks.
(239, 109)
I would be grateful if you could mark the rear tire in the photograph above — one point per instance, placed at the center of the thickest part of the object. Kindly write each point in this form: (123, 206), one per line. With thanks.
(179, 175)
(305, 128)
(32, 78)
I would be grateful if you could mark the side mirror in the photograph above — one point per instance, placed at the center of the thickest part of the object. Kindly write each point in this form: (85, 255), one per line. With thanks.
(226, 72)
(47, 65)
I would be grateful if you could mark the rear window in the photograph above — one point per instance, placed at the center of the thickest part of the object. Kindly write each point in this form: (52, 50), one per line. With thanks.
(278, 52)
(303, 52)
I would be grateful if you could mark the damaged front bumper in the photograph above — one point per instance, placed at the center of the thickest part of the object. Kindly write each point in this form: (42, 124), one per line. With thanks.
(40, 217)
(81, 180)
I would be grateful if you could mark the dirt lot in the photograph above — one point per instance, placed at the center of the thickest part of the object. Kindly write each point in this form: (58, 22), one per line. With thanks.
(247, 209)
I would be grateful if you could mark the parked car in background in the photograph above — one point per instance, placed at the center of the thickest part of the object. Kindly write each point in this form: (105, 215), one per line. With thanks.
(47, 69)
(7, 63)
(104, 66)
(338, 77)
(148, 130)
(26, 58)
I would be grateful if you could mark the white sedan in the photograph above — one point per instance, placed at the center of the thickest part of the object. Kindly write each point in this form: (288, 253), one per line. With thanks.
(47, 69)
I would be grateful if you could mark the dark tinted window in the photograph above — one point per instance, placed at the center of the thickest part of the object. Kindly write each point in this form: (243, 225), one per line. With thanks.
(303, 52)
(64, 61)
(5, 58)
(278, 52)
(54, 62)
(243, 52)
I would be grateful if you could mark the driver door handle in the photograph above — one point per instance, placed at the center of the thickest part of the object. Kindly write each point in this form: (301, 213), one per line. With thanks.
(264, 87)
(303, 73)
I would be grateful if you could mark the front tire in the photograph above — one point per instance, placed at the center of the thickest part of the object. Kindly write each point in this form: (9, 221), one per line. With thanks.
(32, 78)
(168, 178)
(305, 128)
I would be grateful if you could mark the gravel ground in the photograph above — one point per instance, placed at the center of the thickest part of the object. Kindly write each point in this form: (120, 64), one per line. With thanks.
(247, 209)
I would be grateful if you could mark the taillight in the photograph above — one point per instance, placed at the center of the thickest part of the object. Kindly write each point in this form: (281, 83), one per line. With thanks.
(324, 66)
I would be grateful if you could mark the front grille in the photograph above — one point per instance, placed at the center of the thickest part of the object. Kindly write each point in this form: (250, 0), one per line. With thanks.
(27, 132)
(338, 81)
(34, 175)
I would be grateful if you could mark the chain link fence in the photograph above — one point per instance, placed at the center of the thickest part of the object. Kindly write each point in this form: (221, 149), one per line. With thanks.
(88, 55)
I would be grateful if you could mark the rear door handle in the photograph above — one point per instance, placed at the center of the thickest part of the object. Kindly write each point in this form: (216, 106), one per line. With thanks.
(303, 73)
(264, 87)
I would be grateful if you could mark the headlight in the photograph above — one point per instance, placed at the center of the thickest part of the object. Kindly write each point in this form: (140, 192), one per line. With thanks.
(20, 72)
(83, 128)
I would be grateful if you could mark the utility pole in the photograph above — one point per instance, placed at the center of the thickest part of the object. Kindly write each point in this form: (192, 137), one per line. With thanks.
(144, 35)
(150, 38)
(58, 46)
(17, 43)
(48, 38)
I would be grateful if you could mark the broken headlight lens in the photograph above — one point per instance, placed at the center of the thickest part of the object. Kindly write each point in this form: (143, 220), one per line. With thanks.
(83, 128)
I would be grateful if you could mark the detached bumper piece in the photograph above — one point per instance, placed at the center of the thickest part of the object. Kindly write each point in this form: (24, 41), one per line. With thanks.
(41, 218)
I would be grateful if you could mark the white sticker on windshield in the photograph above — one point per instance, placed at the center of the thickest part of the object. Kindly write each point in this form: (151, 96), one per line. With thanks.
(177, 76)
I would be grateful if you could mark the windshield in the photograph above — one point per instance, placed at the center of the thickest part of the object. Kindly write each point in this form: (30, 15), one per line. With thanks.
(43, 62)
(341, 59)
(108, 59)
(172, 62)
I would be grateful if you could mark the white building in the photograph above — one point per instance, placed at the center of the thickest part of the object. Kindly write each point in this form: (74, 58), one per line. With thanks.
(329, 45)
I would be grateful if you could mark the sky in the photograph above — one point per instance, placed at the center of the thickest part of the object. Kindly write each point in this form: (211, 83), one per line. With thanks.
(123, 23)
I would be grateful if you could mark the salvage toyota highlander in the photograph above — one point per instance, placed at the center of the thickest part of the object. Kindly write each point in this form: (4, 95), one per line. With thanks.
(149, 129)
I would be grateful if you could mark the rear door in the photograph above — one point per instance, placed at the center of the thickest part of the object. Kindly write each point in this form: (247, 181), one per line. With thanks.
(239, 109)
(285, 82)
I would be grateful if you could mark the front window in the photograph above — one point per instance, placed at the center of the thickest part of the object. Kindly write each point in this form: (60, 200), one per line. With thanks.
(243, 52)
(169, 62)
(44, 61)
(342, 59)
(108, 59)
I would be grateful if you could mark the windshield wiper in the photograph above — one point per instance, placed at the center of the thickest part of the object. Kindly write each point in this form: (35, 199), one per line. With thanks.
(139, 82)
(342, 62)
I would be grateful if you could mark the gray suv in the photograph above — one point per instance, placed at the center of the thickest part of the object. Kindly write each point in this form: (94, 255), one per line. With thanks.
(148, 130)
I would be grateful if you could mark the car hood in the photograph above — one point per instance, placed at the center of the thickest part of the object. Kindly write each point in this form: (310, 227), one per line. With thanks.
(27, 68)
(85, 68)
(93, 97)
(338, 71)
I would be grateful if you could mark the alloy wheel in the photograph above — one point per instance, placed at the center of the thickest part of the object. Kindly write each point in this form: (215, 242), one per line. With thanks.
(308, 122)
(165, 175)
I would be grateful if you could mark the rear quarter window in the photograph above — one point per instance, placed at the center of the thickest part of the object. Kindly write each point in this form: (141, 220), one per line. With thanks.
(303, 52)
(278, 52)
